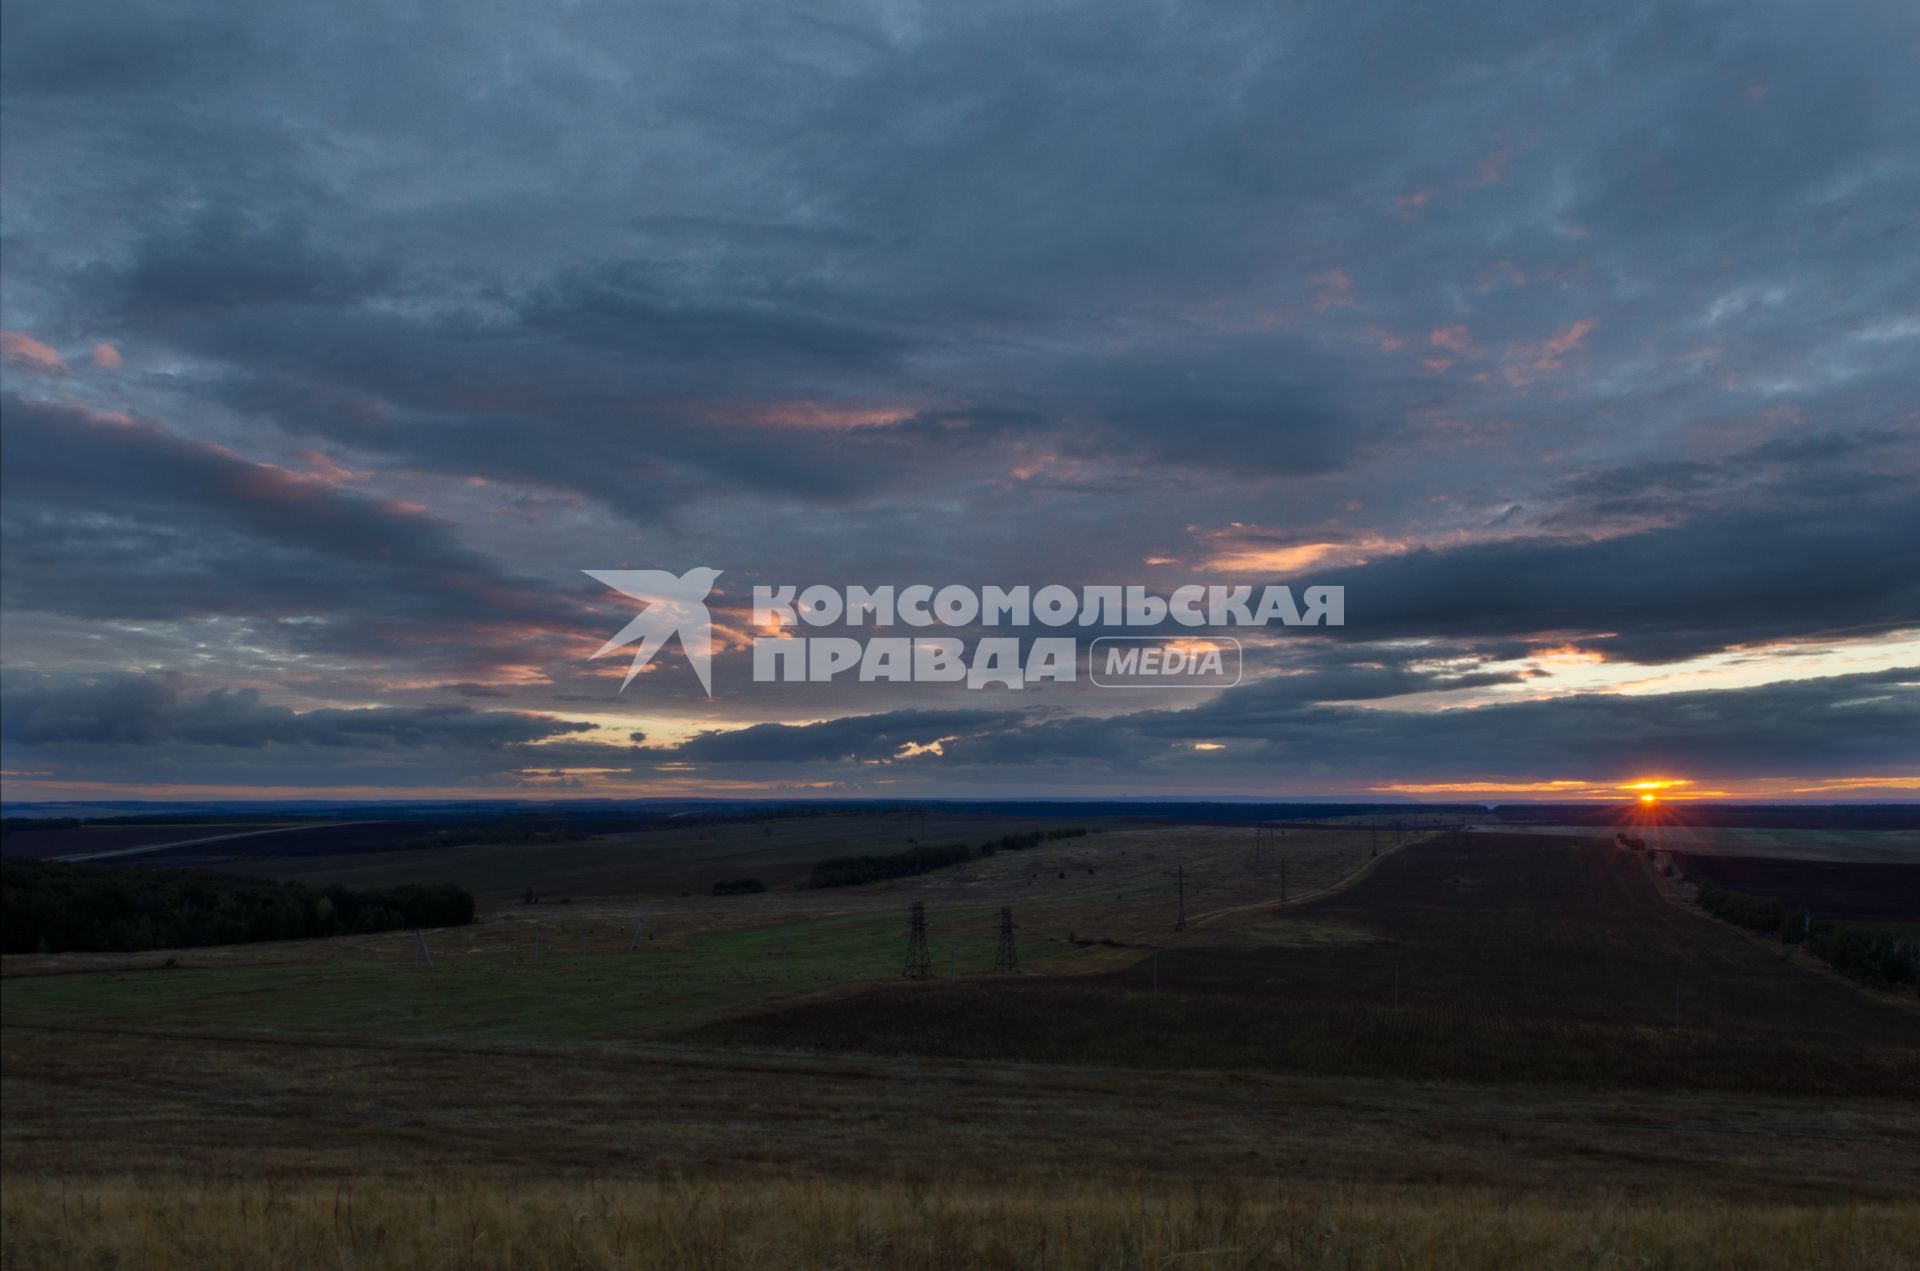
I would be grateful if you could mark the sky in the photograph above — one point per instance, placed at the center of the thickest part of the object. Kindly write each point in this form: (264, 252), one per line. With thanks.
(1579, 343)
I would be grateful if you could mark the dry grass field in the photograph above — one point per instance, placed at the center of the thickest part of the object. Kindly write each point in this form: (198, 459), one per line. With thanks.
(1064, 1226)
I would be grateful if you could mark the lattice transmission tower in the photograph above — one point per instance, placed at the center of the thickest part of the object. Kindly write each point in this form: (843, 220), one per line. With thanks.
(919, 961)
(1006, 957)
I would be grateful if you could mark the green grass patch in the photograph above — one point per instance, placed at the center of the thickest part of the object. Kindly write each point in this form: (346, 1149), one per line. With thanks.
(508, 992)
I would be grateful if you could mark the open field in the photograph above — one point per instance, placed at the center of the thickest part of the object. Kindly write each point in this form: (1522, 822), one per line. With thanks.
(1514, 957)
(244, 1104)
(575, 860)
(755, 1078)
(1889, 847)
(553, 970)
(107, 840)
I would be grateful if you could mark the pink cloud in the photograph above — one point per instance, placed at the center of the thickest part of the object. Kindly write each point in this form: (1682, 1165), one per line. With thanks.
(1548, 355)
(327, 471)
(105, 356)
(24, 349)
(1568, 340)
(1336, 291)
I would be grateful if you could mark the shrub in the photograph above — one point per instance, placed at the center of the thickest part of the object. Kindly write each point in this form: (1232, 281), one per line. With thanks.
(851, 871)
(1854, 949)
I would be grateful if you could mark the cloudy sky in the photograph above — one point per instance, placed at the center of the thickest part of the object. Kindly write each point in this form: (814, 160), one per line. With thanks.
(1580, 343)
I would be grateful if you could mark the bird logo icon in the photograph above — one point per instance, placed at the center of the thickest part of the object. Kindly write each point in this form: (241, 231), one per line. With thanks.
(675, 604)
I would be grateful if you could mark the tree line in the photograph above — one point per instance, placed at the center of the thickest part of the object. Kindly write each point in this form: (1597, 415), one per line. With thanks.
(52, 907)
(851, 871)
(1861, 950)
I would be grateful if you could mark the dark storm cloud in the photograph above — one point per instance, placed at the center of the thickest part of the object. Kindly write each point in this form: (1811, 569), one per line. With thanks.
(1793, 473)
(1269, 735)
(1315, 676)
(1832, 726)
(152, 711)
(1260, 737)
(60, 51)
(173, 527)
(1121, 232)
(1769, 573)
(218, 261)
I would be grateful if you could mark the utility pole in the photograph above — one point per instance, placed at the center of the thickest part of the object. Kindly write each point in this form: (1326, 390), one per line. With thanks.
(421, 952)
(919, 962)
(1283, 879)
(1180, 881)
(638, 926)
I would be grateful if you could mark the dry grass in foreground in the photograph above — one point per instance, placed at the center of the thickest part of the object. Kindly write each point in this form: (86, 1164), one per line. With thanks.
(161, 1225)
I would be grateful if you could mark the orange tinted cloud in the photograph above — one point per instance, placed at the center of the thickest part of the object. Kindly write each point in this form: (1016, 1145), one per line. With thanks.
(1568, 340)
(1258, 559)
(1549, 355)
(105, 356)
(1562, 789)
(827, 416)
(327, 471)
(20, 347)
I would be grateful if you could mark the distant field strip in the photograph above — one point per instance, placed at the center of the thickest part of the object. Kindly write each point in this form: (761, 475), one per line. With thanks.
(1503, 958)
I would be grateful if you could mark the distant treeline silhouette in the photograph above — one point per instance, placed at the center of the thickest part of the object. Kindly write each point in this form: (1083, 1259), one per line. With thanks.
(1860, 950)
(851, 871)
(51, 907)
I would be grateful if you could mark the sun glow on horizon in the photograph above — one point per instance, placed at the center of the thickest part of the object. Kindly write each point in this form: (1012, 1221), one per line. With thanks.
(1657, 790)
(1654, 785)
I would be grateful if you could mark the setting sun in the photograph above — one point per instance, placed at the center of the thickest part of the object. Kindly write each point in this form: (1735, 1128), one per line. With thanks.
(1649, 798)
